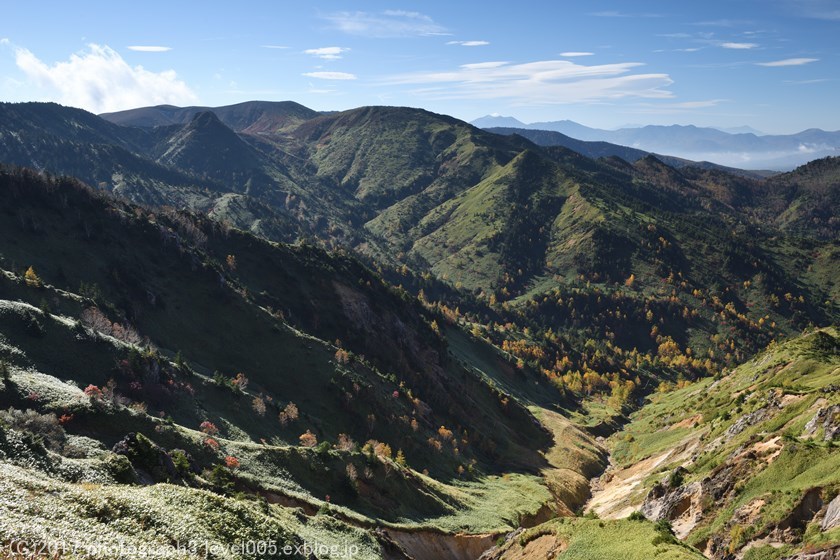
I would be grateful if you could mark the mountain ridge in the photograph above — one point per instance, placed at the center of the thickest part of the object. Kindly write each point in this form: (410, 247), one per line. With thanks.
(598, 149)
(239, 117)
(779, 152)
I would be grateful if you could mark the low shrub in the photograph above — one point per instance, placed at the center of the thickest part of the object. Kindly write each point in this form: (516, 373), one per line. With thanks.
(43, 427)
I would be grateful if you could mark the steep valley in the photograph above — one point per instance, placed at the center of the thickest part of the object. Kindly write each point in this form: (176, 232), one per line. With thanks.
(384, 330)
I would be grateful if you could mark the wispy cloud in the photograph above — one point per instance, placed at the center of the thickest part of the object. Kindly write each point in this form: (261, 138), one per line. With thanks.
(696, 104)
(739, 46)
(723, 23)
(806, 82)
(327, 53)
(469, 43)
(390, 23)
(666, 108)
(788, 62)
(331, 75)
(572, 54)
(99, 80)
(815, 9)
(484, 65)
(543, 82)
(619, 14)
(149, 48)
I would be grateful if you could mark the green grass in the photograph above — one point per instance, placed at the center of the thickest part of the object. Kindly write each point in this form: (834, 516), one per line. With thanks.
(592, 539)
(160, 517)
(652, 430)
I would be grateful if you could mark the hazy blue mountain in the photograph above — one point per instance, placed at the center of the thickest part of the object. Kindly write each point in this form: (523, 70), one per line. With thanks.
(738, 130)
(490, 121)
(739, 147)
(573, 129)
(606, 149)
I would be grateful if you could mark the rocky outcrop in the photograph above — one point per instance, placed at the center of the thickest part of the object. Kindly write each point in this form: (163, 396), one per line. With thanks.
(802, 514)
(670, 502)
(546, 545)
(684, 505)
(832, 553)
(748, 420)
(681, 505)
(772, 406)
(832, 515)
(151, 461)
(829, 419)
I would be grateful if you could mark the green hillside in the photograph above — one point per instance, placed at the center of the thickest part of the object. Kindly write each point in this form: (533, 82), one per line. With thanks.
(154, 347)
(744, 463)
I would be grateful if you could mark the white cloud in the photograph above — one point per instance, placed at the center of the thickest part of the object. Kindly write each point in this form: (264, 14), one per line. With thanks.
(99, 80)
(739, 46)
(469, 43)
(571, 54)
(331, 75)
(390, 23)
(327, 53)
(149, 48)
(788, 62)
(542, 82)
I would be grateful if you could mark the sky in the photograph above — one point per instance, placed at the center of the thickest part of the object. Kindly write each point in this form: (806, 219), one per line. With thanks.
(772, 65)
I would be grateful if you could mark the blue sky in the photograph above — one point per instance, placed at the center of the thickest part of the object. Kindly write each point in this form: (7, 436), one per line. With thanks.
(770, 64)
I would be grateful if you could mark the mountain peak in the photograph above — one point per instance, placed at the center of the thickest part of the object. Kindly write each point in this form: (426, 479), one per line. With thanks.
(206, 118)
(497, 120)
(208, 143)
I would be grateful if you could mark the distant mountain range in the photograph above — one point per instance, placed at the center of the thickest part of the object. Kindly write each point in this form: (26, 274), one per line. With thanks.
(598, 149)
(740, 147)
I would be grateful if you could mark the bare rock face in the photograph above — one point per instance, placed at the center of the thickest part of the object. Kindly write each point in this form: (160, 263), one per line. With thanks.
(748, 420)
(826, 554)
(829, 418)
(832, 515)
(669, 503)
(804, 512)
(431, 545)
(772, 406)
(682, 505)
